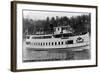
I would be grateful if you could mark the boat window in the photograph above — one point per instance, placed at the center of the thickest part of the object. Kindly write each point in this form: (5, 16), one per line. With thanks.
(35, 43)
(58, 43)
(68, 35)
(49, 43)
(58, 28)
(70, 42)
(55, 43)
(65, 35)
(80, 33)
(62, 42)
(66, 42)
(33, 38)
(41, 37)
(47, 37)
(43, 43)
(27, 37)
(63, 28)
(46, 43)
(58, 36)
(52, 43)
(84, 32)
(38, 43)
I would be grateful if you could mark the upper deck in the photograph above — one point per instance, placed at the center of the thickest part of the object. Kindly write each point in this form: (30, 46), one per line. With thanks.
(62, 35)
(59, 32)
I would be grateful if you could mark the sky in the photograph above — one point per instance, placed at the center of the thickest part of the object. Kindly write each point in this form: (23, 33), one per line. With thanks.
(42, 15)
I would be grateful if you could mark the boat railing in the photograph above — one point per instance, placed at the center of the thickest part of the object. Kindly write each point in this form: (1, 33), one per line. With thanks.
(62, 35)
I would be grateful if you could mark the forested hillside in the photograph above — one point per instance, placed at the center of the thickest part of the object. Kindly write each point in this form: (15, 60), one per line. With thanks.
(79, 24)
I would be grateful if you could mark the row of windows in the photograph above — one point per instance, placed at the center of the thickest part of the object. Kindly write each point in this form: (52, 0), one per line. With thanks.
(54, 43)
(41, 37)
(55, 36)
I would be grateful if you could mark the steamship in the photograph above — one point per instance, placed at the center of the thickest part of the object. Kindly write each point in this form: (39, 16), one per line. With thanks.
(63, 37)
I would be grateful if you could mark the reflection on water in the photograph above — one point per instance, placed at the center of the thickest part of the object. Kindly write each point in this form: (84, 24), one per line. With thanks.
(31, 55)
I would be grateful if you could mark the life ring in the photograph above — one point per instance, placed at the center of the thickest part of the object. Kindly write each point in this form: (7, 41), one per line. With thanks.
(79, 40)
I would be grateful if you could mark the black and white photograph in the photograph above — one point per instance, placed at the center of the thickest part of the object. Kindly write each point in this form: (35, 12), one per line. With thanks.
(52, 35)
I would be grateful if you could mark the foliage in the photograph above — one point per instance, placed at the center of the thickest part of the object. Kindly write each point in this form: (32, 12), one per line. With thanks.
(79, 24)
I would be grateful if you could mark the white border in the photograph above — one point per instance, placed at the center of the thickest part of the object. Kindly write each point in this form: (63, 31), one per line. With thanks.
(21, 65)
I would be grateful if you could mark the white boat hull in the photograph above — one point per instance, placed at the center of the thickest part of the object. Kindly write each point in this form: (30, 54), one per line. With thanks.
(85, 44)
